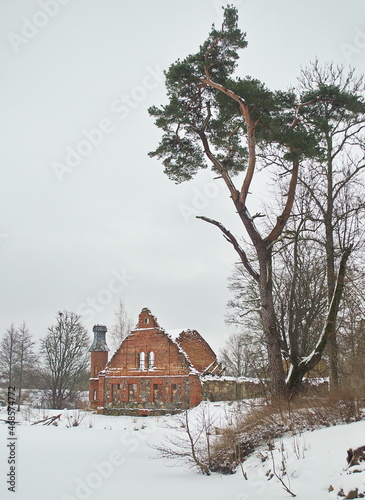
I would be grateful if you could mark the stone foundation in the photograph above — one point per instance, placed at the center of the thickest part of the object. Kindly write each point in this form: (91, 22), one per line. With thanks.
(139, 412)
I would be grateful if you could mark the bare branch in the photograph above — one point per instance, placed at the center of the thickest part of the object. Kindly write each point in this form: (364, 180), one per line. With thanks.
(282, 219)
(231, 239)
(217, 163)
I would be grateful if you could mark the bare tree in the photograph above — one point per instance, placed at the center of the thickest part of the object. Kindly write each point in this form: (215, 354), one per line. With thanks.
(26, 359)
(334, 180)
(17, 357)
(351, 330)
(65, 357)
(244, 355)
(122, 326)
(8, 354)
(300, 285)
(298, 370)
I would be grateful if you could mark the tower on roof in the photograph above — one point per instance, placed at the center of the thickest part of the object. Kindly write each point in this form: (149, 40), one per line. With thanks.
(99, 343)
(98, 361)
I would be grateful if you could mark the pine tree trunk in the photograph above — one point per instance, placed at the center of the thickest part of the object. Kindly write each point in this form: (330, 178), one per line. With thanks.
(270, 329)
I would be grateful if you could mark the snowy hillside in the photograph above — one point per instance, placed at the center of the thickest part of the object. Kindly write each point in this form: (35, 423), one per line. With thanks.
(111, 457)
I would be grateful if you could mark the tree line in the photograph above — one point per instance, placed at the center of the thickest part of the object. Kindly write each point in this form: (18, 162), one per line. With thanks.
(60, 369)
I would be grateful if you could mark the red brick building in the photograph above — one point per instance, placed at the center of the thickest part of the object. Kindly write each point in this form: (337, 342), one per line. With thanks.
(152, 371)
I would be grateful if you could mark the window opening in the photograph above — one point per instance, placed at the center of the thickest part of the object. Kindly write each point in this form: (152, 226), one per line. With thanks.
(141, 362)
(176, 393)
(157, 393)
(132, 392)
(151, 360)
(115, 392)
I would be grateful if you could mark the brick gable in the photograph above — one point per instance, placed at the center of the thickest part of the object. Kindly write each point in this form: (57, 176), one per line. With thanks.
(152, 371)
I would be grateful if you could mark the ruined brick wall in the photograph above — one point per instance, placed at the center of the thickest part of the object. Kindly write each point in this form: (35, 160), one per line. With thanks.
(235, 389)
(230, 388)
(198, 350)
(167, 359)
(151, 392)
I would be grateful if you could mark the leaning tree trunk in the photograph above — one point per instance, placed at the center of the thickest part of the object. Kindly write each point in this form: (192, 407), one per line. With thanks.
(331, 282)
(297, 372)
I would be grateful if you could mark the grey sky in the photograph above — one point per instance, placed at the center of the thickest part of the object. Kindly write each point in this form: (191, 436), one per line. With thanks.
(87, 218)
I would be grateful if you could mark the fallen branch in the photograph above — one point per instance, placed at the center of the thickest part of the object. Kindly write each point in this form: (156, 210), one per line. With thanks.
(48, 420)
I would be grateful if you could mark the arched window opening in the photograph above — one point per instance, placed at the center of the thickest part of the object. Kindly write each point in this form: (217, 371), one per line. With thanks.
(95, 395)
(141, 362)
(151, 360)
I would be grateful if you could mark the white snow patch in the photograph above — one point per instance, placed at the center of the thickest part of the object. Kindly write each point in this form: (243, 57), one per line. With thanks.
(111, 457)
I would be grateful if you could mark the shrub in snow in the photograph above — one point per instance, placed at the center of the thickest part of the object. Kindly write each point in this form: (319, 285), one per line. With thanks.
(263, 424)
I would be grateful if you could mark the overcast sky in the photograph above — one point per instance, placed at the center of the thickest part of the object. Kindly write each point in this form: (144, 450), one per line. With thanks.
(87, 218)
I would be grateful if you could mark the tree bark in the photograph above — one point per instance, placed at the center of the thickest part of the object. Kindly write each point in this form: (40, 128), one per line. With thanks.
(269, 322)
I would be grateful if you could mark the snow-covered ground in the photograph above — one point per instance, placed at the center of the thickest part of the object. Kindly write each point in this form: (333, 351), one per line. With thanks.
(111, 457)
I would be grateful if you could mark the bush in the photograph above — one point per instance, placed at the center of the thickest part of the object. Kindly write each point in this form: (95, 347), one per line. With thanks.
(263, 424)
